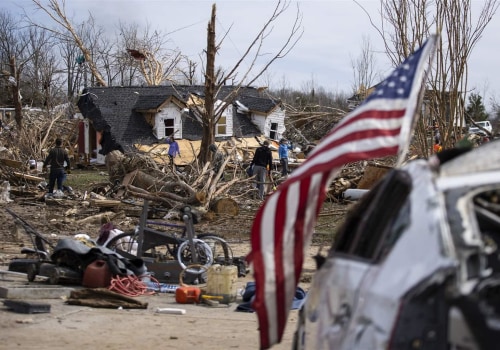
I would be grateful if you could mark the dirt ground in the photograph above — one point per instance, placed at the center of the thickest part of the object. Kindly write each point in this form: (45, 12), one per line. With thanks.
(201, 327)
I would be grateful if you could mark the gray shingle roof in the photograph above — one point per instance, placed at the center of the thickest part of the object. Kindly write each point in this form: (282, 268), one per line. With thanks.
(116, 109)
(258, 104)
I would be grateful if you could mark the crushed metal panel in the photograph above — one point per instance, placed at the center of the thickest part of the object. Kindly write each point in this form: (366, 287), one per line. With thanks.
(480, 159)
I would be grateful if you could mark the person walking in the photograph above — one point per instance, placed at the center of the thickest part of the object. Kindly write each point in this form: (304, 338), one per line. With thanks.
(283, 154)
(437, 146)
(173, 149)
(262, 162)
(57, 159)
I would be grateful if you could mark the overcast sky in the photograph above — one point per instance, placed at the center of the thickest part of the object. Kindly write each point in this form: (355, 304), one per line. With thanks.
(333, 34)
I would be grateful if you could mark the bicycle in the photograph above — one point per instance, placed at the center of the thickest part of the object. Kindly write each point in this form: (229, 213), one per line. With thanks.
(185, 247)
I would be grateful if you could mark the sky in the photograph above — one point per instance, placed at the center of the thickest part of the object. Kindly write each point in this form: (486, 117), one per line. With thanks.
(333, 32)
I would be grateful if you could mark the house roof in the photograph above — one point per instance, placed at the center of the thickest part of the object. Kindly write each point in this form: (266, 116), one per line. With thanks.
(117, 109)
(191, 127)
(243, 127)
(112, 109)
(154, 102)
(259, 104)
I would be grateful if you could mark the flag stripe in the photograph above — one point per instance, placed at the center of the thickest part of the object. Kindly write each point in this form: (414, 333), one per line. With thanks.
(284, 224)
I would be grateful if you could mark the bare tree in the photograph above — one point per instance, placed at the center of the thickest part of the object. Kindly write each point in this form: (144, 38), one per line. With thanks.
(148, 50)
(189, 72)
(42, 71)
(57, 13)
(14, 43)
(74, 66)
(155, 63)
(363, 68)
(211, 111)
(405, 25)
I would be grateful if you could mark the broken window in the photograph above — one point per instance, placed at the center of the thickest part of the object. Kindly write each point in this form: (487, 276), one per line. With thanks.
(374, 226)
(487, 210)
(169, 126)
(273, 132)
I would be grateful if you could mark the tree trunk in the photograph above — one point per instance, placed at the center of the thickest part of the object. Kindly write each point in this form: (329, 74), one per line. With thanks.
(175, 190)
(16, 96)
(208, 117)
(226, 206)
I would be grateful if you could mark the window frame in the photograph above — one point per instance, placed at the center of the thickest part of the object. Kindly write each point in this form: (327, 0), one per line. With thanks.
(369, 231)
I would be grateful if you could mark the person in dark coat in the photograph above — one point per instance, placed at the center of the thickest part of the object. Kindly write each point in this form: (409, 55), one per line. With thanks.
(262, 163)
(57, 159)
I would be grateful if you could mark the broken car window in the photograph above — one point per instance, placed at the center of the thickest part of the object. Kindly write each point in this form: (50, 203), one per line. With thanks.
(367, 229)
(487, 210)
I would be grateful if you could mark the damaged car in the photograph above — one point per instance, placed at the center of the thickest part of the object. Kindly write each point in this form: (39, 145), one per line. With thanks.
(416, 262)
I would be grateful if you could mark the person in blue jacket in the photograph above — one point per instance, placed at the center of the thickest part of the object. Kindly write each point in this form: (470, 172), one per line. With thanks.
(173, 149)
(283, 154)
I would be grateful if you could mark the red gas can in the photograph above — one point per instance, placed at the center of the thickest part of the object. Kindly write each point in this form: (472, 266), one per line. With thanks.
(187, 295)
(97, 275)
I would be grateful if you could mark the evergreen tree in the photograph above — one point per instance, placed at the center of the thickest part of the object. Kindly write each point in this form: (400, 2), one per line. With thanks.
(476, 109)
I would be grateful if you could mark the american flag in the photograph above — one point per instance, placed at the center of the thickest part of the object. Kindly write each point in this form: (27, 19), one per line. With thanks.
(284, 224)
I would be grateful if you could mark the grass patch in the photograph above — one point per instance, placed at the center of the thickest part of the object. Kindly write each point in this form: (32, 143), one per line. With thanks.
(83, 179)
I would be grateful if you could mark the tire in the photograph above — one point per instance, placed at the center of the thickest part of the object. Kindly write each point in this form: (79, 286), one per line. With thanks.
(221, 251)
(32, 272)
(203, 252)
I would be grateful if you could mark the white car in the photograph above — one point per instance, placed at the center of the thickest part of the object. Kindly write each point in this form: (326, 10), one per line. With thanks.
(416, 264)
(485, 124)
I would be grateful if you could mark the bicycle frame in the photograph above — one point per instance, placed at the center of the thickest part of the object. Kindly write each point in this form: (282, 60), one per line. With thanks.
(189, 253)
(148, 238)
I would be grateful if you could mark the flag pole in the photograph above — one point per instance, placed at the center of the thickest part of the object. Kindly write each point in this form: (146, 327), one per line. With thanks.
(284, 224)
(409, 124)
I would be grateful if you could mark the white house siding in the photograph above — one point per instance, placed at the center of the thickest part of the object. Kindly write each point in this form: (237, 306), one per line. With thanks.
(264, 123)
(228, 113)
(168, 112)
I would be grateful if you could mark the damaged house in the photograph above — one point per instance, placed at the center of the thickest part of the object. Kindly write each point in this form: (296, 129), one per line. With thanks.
(124, 117)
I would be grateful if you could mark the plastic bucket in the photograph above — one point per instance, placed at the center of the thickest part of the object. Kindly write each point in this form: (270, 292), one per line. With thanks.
(221, 281)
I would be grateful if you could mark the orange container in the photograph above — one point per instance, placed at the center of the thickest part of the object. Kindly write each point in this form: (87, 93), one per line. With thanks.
(97, 275)
(187, 295)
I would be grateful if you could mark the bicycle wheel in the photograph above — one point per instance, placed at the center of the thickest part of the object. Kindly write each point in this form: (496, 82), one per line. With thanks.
(124, 243)
(221, 251)
(203, 254)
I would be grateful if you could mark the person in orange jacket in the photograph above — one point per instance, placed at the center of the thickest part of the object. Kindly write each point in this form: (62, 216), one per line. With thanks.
(437, 147)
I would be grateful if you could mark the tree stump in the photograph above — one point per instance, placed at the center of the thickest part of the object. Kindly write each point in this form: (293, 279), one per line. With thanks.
(226, 206)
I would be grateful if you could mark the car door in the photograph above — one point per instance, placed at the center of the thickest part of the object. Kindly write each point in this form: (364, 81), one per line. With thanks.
(360, 243)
